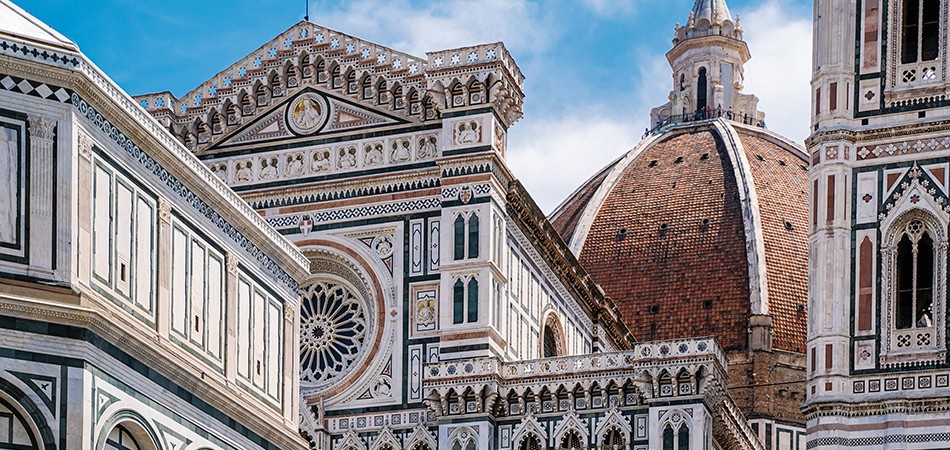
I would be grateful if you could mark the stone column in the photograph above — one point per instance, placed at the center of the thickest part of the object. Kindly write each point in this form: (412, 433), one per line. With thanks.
(84, 210)
(231, 313)
(164, 302)
(42, 134)
(291, 350)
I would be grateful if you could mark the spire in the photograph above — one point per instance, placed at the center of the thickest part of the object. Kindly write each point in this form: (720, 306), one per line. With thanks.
(712, 11)
(709, 18)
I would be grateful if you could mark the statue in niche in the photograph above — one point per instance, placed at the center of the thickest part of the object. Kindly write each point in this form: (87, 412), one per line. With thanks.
(468, 133)
(321, 161)
(401, 151)
(294, 165)
(347, 158)
(242, 172)
(374, 155)
(427, 148)
(268, 168)
(9, 177)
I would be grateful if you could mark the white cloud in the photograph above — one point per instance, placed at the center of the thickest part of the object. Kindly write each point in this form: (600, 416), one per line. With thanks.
(555, 153)
(609, 7)
(417, 29)
(553, 156)
(780, 69)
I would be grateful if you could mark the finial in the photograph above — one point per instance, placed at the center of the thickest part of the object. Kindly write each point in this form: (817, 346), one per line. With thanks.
(692, 20)
(306, 15)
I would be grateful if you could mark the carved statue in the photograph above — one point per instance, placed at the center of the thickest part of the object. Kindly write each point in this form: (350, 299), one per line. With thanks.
(294, 165)
(242, 173)
(321, 161)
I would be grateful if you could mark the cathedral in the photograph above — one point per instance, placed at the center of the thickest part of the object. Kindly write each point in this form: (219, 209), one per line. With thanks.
(322, 247)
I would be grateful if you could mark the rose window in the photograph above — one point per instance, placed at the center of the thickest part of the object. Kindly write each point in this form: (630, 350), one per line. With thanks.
(333, 329)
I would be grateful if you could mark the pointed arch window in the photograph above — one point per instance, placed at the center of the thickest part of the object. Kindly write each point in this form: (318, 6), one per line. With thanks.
(472, 300)
(613, 440)
(458, 302)
(920, 30)
(675, 440)
(571, 442)
(459, 237)
(473, 236)
(913, 291)
(530, 442)
(465, 294)
(466, 233)
(915, 259)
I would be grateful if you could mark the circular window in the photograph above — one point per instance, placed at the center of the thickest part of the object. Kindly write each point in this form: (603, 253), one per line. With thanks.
(333, 330)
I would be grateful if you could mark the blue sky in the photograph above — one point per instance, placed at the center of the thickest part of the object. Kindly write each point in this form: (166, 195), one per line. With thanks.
(593, 68)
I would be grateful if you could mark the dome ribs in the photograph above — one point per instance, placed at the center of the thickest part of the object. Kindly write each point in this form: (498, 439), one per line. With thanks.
(662, 276)
(781, 189)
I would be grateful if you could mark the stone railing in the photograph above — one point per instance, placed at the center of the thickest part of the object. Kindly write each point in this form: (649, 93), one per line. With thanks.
(644, 355)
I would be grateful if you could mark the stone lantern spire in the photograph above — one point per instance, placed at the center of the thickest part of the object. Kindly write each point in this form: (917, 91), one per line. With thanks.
(707, 60)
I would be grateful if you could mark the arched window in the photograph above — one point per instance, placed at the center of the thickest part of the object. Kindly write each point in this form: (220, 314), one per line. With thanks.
(530, 442)
(668, 437)
(683, 438)
(472, 300)
(920, 30)
(613, 440)
(675, 440)
(571, 442)
(551, 340)
(915, 260)
(459, 237)
(121, 439)
(473, 236)
(913, 292)
(461, 233)
(701, 89)
(458, 302)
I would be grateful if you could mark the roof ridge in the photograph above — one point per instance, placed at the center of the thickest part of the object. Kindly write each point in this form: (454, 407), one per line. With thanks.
(20, 24)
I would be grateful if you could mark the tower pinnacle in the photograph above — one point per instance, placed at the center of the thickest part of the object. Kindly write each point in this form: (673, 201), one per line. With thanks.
(707, 58)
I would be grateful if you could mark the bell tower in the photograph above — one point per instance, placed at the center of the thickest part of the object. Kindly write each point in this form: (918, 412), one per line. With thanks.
(707, 59)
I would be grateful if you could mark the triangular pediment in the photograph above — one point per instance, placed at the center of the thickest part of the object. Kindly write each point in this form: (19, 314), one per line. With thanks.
(309, 113)
(362, 85)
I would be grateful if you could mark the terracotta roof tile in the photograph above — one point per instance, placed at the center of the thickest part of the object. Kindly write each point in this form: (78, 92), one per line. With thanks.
(668, 244)
(565, 218)
(781, 186)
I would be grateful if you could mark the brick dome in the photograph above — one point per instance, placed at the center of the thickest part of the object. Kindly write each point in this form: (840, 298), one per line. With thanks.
(696, 231)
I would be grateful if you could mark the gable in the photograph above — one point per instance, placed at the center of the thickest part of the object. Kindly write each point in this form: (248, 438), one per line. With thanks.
(308, 113)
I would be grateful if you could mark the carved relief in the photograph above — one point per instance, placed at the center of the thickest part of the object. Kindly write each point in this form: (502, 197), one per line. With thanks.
(373, 155)
(41, 127)
(307, 113)
(294, 166)
(427, 147)
(467, 132)
(347, 157)
(400, 150)
(243, 171)
(221, 170)
(268, 168)
(320, 162)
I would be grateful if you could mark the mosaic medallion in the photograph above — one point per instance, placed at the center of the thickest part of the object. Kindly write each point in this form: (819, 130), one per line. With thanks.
(307, 113)
(333, 329)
